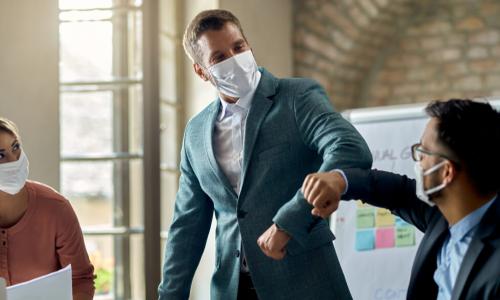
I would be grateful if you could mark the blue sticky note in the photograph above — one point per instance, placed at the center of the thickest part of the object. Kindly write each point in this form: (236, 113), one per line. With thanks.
(401, 222)
(365, 240)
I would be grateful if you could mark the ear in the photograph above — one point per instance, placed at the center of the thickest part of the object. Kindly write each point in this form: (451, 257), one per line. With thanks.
(450, 172)
(200, 72)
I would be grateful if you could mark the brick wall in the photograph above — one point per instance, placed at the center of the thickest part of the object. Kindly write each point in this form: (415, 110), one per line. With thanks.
(380, 52)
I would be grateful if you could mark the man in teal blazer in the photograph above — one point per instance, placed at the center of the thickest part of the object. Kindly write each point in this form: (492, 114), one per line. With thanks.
(244, 158)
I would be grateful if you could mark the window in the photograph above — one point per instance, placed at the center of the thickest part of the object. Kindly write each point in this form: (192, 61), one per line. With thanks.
(101, 113)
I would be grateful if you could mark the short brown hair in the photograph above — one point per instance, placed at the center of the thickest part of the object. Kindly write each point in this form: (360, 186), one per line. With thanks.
(9, 127)
(213, 19)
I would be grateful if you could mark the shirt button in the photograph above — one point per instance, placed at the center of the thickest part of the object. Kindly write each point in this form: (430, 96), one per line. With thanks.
(237, 253)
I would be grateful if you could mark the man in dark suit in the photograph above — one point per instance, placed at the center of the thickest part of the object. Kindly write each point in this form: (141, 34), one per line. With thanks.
(454, 201)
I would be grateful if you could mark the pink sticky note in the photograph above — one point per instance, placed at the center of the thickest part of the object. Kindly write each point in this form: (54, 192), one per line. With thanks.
(384, 238)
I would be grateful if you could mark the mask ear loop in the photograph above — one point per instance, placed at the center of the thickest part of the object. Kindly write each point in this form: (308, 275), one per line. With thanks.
(430, 171)
(434, 168)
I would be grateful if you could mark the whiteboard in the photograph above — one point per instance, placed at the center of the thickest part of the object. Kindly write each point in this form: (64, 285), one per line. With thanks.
(376, 249)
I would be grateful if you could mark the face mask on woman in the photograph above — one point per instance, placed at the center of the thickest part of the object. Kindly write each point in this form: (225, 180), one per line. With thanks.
(13, 175)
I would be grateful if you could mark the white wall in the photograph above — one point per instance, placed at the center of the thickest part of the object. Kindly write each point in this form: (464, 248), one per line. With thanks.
(29, 89)
(268, 28)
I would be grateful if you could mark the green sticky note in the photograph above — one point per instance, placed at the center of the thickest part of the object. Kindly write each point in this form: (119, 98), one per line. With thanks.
(365, 218)
(405, 236)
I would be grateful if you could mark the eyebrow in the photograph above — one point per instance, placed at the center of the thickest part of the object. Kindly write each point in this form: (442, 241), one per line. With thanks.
(237, 43)
(15, 142)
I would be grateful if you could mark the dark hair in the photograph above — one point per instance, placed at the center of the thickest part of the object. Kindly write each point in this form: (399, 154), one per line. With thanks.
(213, 19)
(470, 131)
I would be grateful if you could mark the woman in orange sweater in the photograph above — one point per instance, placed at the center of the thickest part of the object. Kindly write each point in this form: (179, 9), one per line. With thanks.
(39, 231)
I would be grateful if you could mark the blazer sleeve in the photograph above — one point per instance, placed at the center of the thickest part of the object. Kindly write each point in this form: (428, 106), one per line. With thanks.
(392, 191)
(334, 139)
(187, 235)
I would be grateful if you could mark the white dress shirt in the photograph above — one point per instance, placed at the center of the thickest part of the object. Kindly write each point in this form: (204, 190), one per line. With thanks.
(229, 137)
(228, 142)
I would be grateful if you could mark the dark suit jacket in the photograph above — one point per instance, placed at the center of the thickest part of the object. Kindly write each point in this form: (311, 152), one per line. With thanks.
(479, 275)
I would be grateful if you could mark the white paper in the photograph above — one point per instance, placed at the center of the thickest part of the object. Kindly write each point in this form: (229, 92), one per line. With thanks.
(53, 286)
(3, 295)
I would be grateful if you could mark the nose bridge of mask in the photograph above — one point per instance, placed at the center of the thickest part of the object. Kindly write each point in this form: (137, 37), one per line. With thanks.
(13, 164)
(228, 66)
(434, 168)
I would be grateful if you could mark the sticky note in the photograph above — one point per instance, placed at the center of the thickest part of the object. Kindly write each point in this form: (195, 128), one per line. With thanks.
(384, 218)
(401, 222)
(365, 240)
(405, 236)
(360, 204)
(365, 218)
(384, 238)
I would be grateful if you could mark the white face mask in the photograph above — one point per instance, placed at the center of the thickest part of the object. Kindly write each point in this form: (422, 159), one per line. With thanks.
(13, 175)
(422, 193)
(235, 76)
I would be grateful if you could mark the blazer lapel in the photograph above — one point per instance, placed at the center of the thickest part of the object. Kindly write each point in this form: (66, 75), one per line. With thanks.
(426, 257)
(209, 149)
(486, 228)
(261, 104)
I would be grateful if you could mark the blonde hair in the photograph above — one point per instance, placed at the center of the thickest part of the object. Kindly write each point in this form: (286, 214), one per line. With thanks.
(213, 19)
(9, 127)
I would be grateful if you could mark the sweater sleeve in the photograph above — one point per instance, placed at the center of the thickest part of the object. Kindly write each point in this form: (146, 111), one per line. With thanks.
(70, 248)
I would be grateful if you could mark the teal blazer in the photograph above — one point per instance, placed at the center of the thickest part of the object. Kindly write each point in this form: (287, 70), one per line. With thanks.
(292, 130)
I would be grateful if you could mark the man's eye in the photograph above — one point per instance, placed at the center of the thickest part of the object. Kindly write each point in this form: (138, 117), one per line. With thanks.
(2, 156)
(16, 147)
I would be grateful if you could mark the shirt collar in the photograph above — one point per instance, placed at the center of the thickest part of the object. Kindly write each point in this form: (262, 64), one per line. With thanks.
(244, 102)
(464, 226)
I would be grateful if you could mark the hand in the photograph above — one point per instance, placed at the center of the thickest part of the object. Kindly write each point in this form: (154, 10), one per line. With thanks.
(323, 191)
(273, 242)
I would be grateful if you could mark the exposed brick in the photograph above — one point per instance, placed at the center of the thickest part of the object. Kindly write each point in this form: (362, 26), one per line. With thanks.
(405, 89)
(421, 73)
(321, 46)
(370, 8)
(443, 55)
(435, 86)
(359, 16)
(382, 3)
(313, 24)
(495, 51)
(455, 39)
(409, 44)
(491, 37)
(394, 76)
(490, 8)
(432, 43)
(468, 83)
(493, 81)
(455, 69)
(437, 27)
(380, 92)
(470, 24)
(485, 65)
(304, 57)
(340, 39)
(477, 52)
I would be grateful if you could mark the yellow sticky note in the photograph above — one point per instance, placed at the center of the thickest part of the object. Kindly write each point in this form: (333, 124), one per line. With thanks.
(360, 204)
(384, 218)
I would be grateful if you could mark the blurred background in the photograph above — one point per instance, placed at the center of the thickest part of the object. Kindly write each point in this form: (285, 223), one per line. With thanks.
(101, 91)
